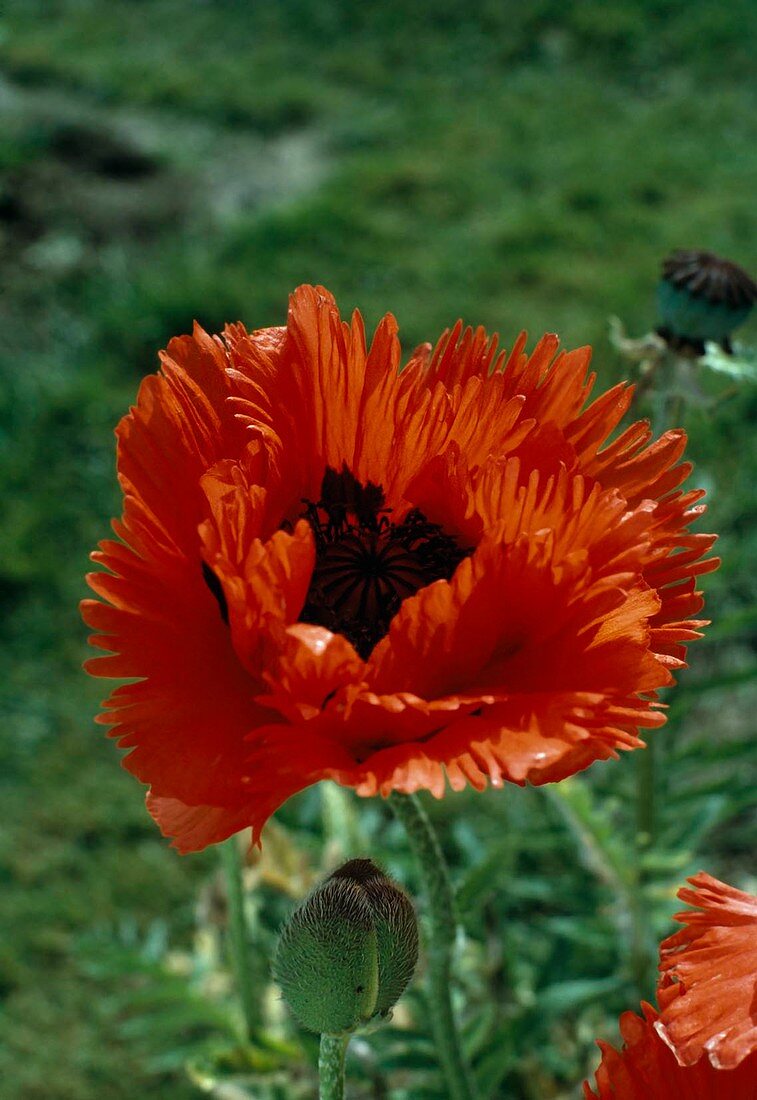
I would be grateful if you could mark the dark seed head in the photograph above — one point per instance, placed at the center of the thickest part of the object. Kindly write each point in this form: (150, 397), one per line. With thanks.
(366, 564)
(702, 297)
(705, 275)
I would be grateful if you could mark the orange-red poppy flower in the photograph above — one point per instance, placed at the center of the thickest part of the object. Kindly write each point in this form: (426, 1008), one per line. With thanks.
(708, 996)
(328, 568)
(646, 1069)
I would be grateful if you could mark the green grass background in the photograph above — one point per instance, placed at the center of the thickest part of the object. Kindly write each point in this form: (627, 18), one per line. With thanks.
(522, 165)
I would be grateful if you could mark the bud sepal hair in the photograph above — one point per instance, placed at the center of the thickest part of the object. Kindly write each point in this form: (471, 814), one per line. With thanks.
(347, 954)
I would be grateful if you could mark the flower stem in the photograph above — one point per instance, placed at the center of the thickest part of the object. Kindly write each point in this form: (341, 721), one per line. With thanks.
(650, 762)
(645, 797)
(239, 936)
(331, 1066)
(440, 902)
(642, 950)
(341, 823)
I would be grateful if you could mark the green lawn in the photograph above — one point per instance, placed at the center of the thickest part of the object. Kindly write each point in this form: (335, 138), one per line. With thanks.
(519, 165)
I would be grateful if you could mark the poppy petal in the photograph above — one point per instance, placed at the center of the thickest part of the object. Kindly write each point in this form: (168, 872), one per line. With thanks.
(329, 567)
(645, 1069)
(709, 993)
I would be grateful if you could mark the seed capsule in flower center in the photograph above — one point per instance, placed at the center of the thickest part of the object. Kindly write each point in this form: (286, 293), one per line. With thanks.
(366, 564)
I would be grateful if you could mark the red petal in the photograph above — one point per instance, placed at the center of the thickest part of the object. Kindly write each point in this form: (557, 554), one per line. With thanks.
(645, 1069)
(708, 998)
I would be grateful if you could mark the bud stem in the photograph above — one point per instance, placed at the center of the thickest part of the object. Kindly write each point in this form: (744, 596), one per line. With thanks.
(239, 936)
(440, 902)
(331, 1066)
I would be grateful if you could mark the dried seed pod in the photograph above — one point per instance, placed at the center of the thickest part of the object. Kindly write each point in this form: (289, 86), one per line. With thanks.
(702, 297)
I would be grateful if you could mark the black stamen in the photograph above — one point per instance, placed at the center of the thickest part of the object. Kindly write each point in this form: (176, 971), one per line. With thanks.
(366, 565)
(216, 588)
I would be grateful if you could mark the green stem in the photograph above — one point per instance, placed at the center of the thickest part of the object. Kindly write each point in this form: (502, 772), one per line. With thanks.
(341, 824)
(331, 1066)
(440, 902)
(645, 797)
(671, 414)
(239, 936)
(641, 951)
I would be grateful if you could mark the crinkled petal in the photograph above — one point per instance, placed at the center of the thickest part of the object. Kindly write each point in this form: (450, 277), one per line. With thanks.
(708, 998)
(645, 1069)
(574, 600)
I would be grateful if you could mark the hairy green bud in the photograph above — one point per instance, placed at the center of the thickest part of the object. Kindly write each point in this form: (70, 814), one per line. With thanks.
(326, 960)
(347, 953)
(396, 930)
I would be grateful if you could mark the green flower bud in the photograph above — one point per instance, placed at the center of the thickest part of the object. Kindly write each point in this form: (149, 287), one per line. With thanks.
(347, 953)
(396, 929)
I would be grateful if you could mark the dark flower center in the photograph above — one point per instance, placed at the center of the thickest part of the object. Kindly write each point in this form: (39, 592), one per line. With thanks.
(366, 565)
(216, 588)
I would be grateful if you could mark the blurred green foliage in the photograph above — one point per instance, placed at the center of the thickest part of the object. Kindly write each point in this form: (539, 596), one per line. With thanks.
(520, 165)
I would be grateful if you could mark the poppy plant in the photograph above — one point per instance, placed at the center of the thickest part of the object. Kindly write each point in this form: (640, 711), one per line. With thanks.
(331, 568)
(708, 996)
(646, 1069)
